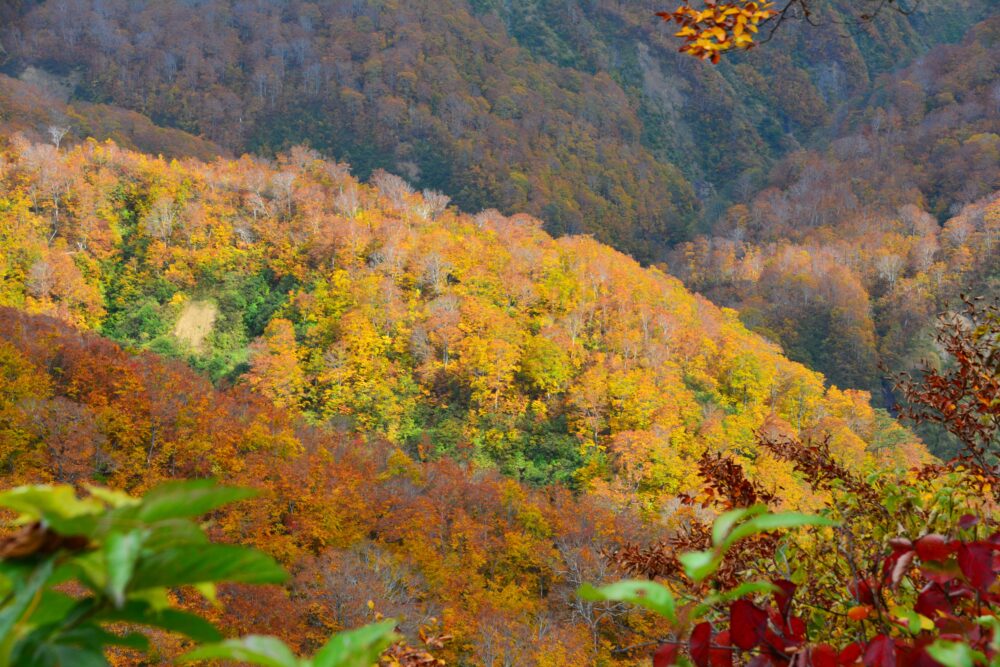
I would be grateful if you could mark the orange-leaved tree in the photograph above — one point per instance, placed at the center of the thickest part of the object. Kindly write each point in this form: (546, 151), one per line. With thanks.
(710, 28)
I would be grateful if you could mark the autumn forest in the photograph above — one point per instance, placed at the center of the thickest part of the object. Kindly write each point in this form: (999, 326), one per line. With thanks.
(482, 334)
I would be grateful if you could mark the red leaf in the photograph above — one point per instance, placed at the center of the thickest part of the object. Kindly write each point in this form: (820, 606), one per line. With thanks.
(783, 596)
(967, 521)
(796, 630)
(774, 644)
(941, 573)
(934, 547)
(701, 637)
(862, 591)
(723, 656)
(976, 561)
(917, 657)
(666, 655)
(747, 624)
(881, 652)
(851, 654)
(932, 601)
(823, 655)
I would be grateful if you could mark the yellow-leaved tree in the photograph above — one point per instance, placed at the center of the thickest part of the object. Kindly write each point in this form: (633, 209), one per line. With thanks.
(711, 28)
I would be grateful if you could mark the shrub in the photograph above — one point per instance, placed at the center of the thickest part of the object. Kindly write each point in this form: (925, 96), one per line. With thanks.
(82, 574)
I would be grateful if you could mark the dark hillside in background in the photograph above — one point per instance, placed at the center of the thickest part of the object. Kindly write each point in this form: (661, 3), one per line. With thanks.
(580, 113)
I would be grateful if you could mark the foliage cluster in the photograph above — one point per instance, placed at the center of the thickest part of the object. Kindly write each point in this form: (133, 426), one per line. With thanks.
(426, 90)
(379, 310)
(716, 28)
(82, 575)
(447, 550)
(849, 252)
(900, 570)
(580, 113)
(443, 548)
(896, 569)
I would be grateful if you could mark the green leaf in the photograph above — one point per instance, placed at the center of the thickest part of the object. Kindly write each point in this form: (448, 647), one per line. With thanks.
(955, 654)
(120, 555)
(726, 521)
(94, 637)
(52, 607)
(357, 648)
(89, 568)
(189, 625)
(158, 599)
(24, 594)
(766, 523)
(648, 594)
(254, 649)
(207, 563)
(209, 592)
(912, 618)
(112, 498)
(172, 620)
(190, 498)
(58, 655)
(699, 565)
(749, 588)
(57, 506)
(13, 573)
(173, 532)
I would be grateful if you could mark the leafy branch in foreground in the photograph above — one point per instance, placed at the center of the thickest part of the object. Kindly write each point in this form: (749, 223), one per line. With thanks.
(964, 396)
(910, 575)
(81, 575)
(932, 602)
(718, 27)
(714, 27)
(693, 617)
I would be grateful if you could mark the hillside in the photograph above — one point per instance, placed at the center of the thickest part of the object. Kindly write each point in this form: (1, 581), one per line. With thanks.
(382, 357)
(382, 311)
(849, 252)
(32, 106)
(725, 125)
(581, 114)
(472, 555)
(526, 334)
(884, 149)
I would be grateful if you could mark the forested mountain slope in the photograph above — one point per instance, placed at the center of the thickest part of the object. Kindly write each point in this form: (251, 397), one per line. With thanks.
(842, 257)
(434, 544)
(582, 114)
(385, 312)
(456, 415)
(724, 125)
(38, 106)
